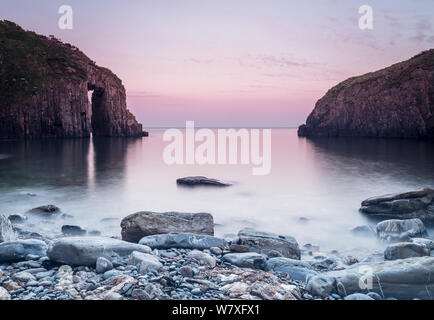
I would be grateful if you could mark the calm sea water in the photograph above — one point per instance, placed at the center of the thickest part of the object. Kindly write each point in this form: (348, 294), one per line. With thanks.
(322, 180)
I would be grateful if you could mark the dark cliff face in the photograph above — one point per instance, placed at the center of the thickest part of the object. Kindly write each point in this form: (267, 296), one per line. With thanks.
(396, 102)
(44, 87)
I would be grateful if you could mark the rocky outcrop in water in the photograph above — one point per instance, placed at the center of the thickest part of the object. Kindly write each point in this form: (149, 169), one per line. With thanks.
(44, 87)
(397, 101)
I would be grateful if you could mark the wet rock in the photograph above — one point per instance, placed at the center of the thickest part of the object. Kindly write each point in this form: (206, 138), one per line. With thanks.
(4, 294)
(404, 279)
(145, 262)
(363, 231)
(296, 269)
(400, 230)
(140, 294)
(142, 224)
(201, 181)
(7, 232)
(45, 211)
(18, 250)
(409, 205)
(358, 296)
(216, 250)
(246, 260)
(182, 241)
(428, 243)
(69, 230)
(263, 242)
(103, 265)
(404, 250)
(17, 218)
(186, 271)
(23, 277)
(238, 248)
(202, 258)
(84, 251)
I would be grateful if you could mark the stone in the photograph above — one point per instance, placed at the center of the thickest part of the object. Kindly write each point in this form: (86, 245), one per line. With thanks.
(358, 296)
(186, 271)
(263, 242)
(394, 102)
(103, 265)
(238, 248)
(182, 241)
(202, 258)
(23, 277)
(4, 294)
(296, 269)
(84, 251)
(400, 230)
(404, 250)
(363, 231)
(428, 243)
(146, 223)
(403, 279)
(55, 92)
(17, 218)
(201, 181)
(409, 205)
(7, 232)
(216, 251)
(18, 250)
(69, 230)
(251, 260)
(374, 296)
(145, 262)
(45, 211)
(140, 294)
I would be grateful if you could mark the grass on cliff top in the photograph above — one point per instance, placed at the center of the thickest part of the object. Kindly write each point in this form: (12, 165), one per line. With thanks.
(29, 61)
(398, 73)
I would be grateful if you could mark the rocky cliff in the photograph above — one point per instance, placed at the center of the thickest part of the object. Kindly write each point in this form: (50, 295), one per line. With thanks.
(397, 102)
(44, 87)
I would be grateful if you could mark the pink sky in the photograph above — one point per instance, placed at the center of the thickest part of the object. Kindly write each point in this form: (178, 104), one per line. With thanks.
(232, 62)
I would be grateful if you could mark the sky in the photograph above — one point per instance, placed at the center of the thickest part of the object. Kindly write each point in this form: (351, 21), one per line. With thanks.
(239, 63)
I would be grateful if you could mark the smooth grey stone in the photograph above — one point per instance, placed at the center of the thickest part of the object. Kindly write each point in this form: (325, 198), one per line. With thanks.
(403, 250)
(17, 218)
(144, 262)
(45, 211)
(182, 240)
(298, 270)
(363, 231)
(7, 232)
(103, 265)
(264, 242)
(84, 251)
(400, 230)
(251, 260)
(69, 230)
(18, 250)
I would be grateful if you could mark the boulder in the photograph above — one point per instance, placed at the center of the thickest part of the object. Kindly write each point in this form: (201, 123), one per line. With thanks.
(69, 230)
(45, 211)
(182, 241)
(404, 250)
(409, 205)
(18, 250)
(201, 181)
(145, 262)
(84, 251)
(264, 242)
(296, 269)
(250, 260)
(7, 232)
(403, 279)
(400, 230)
(142, 224)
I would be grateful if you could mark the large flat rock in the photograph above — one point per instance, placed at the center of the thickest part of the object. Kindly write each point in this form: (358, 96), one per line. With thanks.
(402, 279)
(265, 242)
(147, 223)
(182, 241)
(408, 205)
(84, 251)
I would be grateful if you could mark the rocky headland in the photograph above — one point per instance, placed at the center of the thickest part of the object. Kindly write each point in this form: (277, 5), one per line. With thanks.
(175, 255)
(395, 102)
(44, 87)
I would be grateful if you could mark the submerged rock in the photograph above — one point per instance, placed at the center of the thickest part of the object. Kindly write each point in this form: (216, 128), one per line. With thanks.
(408, 205)
(18, 250)
(182, 241)
(146, 223)
(201, 181)
(363, 231)
(45, 211)
(17, 218)
(251, 260)
(400, 230)
(393, 102)
(69, 230)
(7, 232)
(404, 279)
(264, 242)
(404, 250)
(84, 251)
